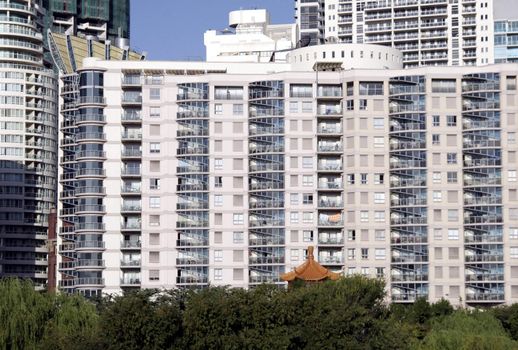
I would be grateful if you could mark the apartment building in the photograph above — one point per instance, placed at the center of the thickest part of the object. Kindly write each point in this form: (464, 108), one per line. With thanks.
(105, 20)
(224, 173)
(28, 142)
(428, 32)
(506, 31)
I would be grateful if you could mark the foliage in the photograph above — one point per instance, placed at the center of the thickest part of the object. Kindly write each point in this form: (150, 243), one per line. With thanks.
(468, 331)
(350, 313)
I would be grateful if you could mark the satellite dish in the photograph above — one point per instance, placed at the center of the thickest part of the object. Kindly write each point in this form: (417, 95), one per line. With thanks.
(304, 41)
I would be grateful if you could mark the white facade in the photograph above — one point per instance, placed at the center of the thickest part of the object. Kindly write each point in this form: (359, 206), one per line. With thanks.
(428, 32)
(224, 173)
(254, 38)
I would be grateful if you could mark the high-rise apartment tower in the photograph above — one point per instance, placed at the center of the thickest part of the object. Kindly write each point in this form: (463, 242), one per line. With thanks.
(28, 141)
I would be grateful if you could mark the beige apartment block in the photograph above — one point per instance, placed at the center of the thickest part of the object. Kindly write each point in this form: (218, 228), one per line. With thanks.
(224, 174)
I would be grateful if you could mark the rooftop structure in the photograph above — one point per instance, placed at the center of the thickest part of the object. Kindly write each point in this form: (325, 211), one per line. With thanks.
(252, 38)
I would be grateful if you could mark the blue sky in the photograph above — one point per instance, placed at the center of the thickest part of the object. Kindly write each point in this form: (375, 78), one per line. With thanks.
(173, 29)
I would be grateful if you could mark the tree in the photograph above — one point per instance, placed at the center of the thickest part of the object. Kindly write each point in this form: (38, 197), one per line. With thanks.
(23, 314)
(463, 330)
(146, 319)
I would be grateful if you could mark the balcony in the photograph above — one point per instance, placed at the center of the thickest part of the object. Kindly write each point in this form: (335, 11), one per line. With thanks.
(330, 147)
(192, 261)
(130, 190)
(192, 242)
(131, 136)
(330, 203)
(329, 110)
(484, 200)
(330, 222)
(192, 187)
(90, 190)
(130, 172)
(130, 245)
(261, 204)
(192, 205)
(264, 279)
(131, 99)
(330, 260)
(410, 258)
(266, 167)
(491, 297)
(90, 245)
(261, 260)
(483, 219)
(192, 169)
(483, 277)
(97, 100)
(92, 263)
(130, 281)
(330, 166)
(330, 240)
(330, 185)
(408, 221)
(91, 136)
(484, 257)
(330, 129)
(266, 222)
(192, 280)
(130, 263)
(131, 226)
(192, 150)
(131, 208)
(407, 201)
(192, 223)
(131, 153)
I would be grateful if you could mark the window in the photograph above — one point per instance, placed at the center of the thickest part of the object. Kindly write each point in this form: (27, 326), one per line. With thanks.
(307, 198)
(437, 234)
(154, 220)
(307, 180)
(218, 109)
(307, 236)
(218, 164)
(379, 197)
(379, 216)
(514, 252)
(294, 254)
(154, 239)
(218, 200)
(307, 162)
(379, 142)
(379, 123)
(436, 177)
(218, 274)
(218, 256)
(365, 253)
(363, 105)
(350, 105)
(452, 177)
(351, 235)
(443, 86)
(294, 218)
(351, 253)
(511, 81)
(379, 235)
(363, 179)
(451, 120)
(154, 112)
(453, 234)
(307, 107)
(154, 184)
(154, 147)
(154, 275)
(437, 196)
(307, 217)
(513, 232)
(511, 137)
(350, 179)
(294, 198)
(154, 202)
(371, 88)
(294, 107)
(238, 219)
(237, 237)
(452, 158)
(379, 178)
(511, 175)
(237, 109)
(154, 257)
(364, 216)
(453, 215)
(436, 120)
(154, 94)
(380, 253)
(218, 181)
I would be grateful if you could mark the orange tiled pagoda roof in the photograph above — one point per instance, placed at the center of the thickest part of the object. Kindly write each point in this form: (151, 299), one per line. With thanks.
(310, 270)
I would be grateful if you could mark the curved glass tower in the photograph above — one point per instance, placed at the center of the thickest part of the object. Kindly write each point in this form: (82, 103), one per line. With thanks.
(28, 142)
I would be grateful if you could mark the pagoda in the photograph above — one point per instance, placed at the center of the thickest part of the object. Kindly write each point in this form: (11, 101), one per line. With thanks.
(309, 272)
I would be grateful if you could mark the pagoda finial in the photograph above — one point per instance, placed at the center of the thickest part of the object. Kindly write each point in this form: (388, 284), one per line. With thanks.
(310, 253)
